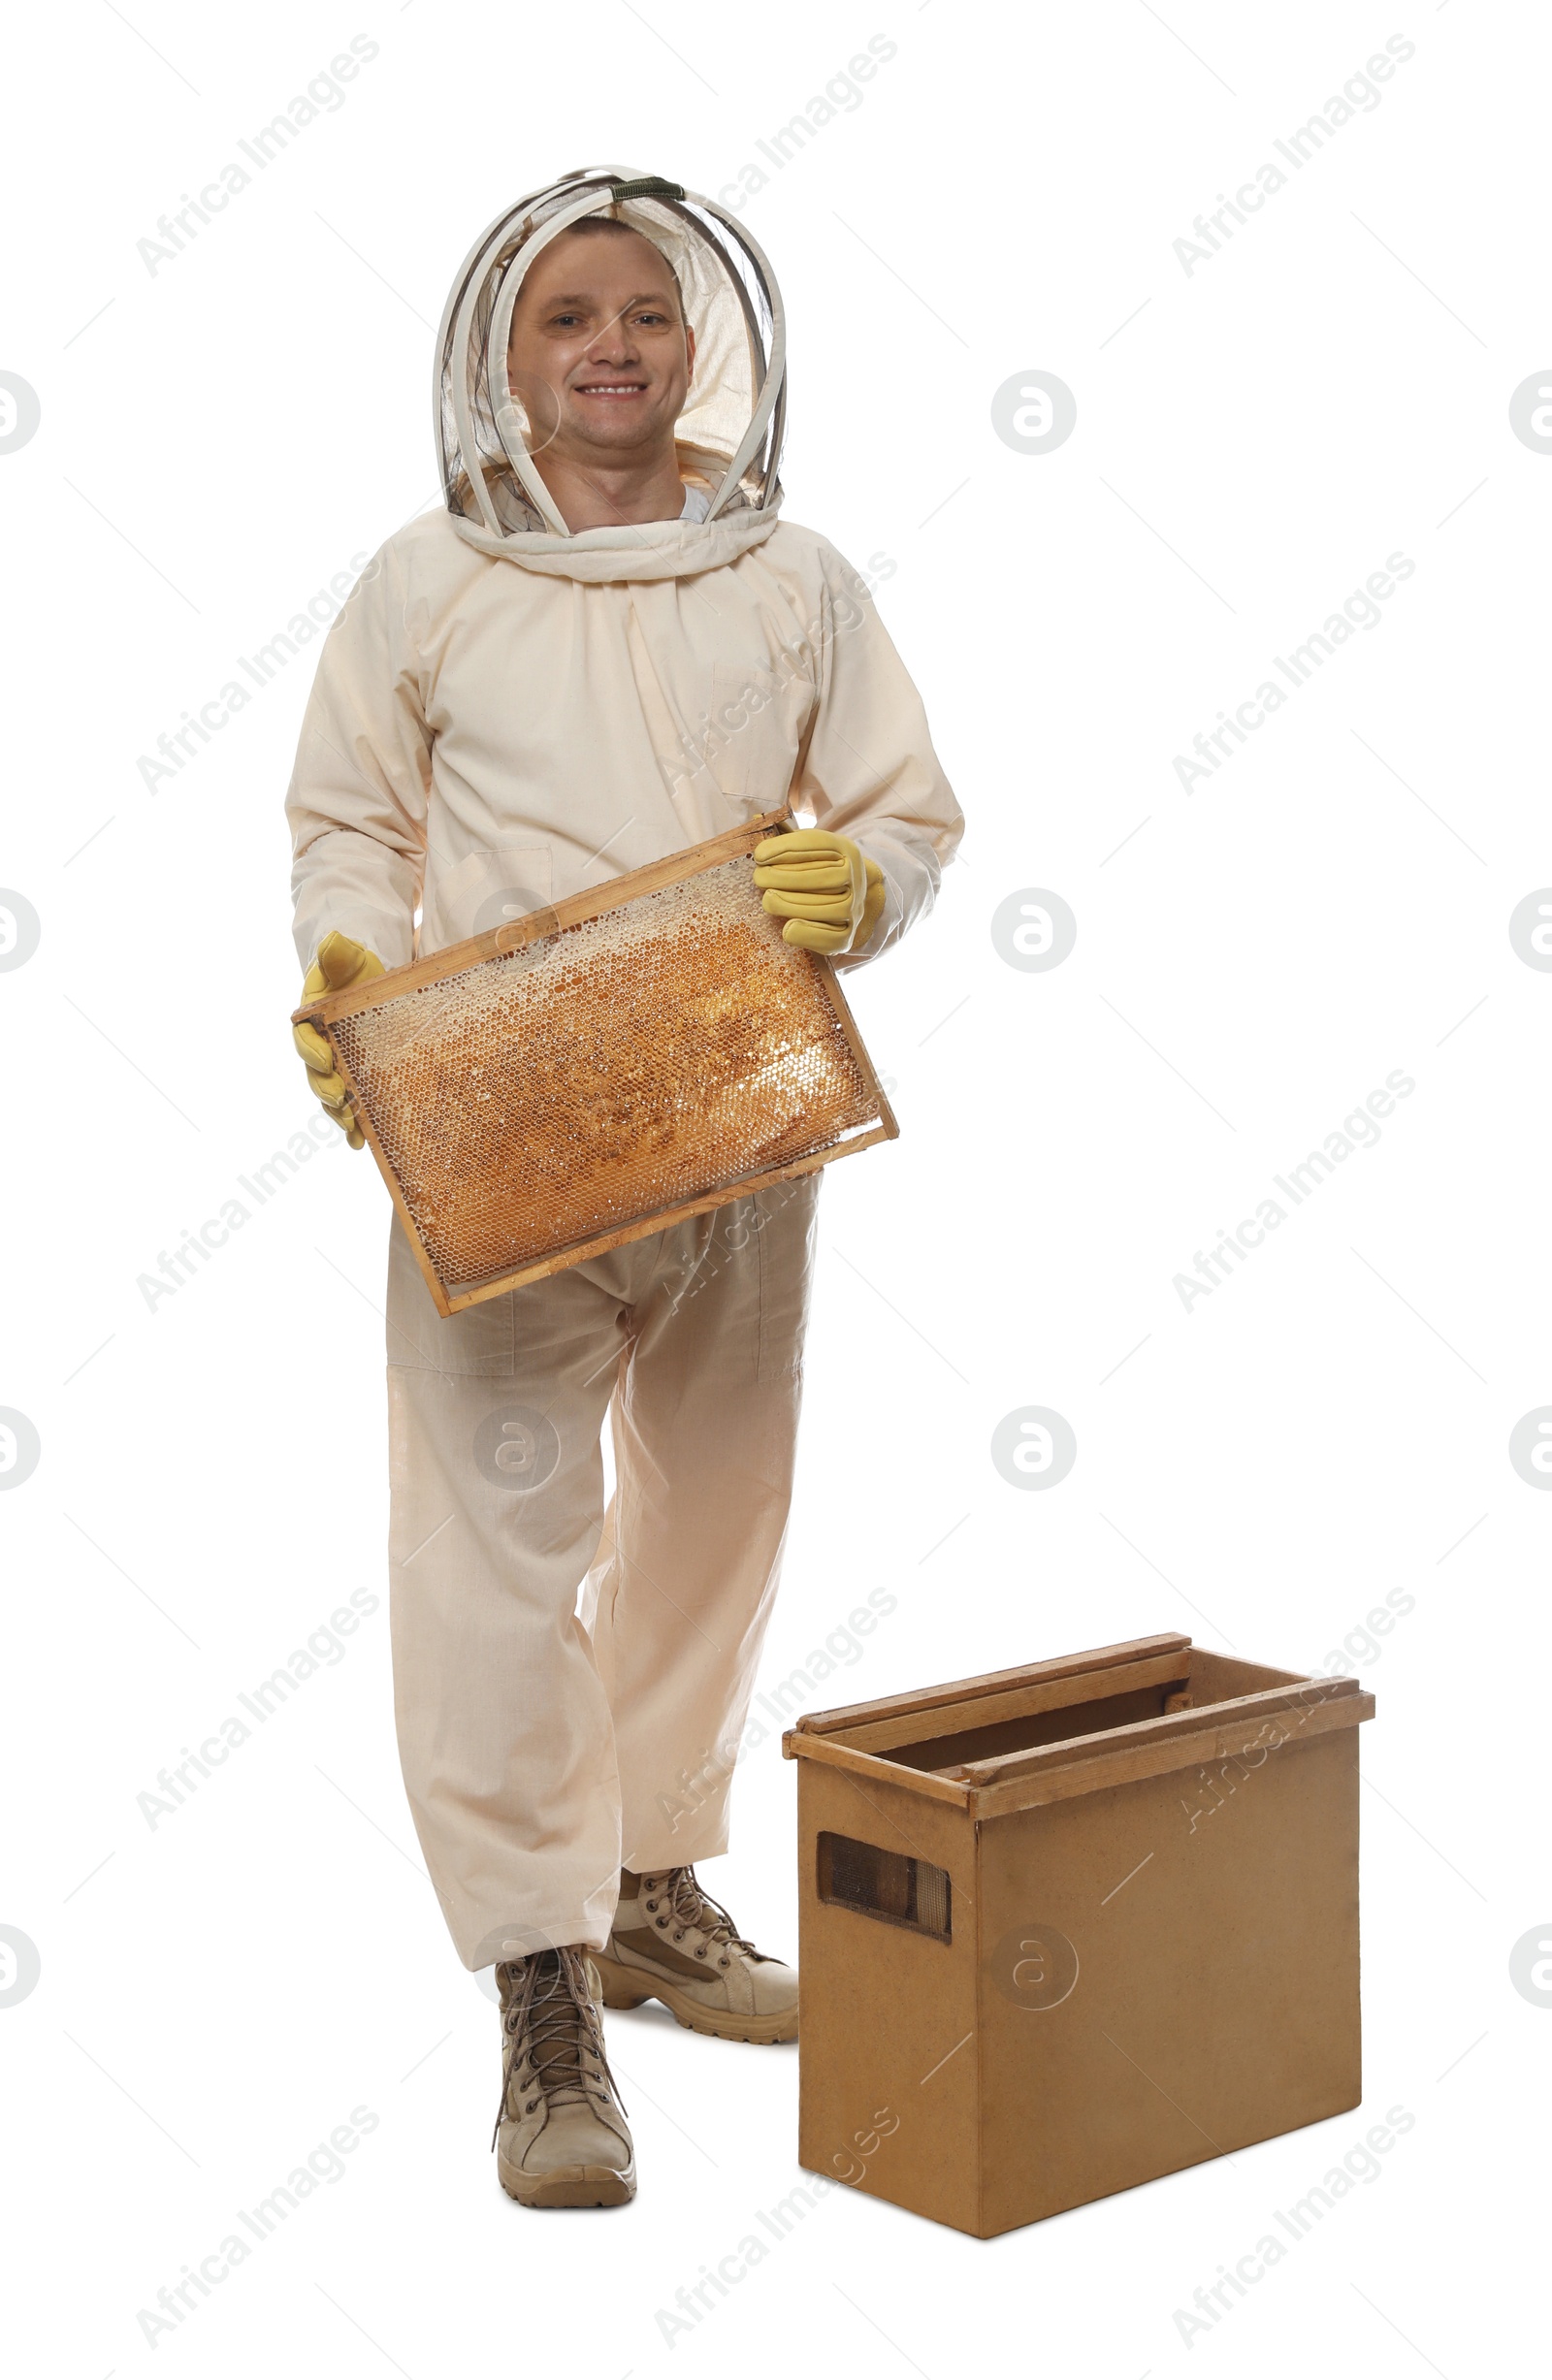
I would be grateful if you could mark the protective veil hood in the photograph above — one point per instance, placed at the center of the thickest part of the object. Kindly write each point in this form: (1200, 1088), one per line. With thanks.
(728, 435)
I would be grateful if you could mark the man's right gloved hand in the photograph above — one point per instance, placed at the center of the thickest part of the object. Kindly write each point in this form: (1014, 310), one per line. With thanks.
(340, 963)
(830, 894)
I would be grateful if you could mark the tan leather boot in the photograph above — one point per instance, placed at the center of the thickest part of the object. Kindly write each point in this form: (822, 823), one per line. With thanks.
(673, 1942)
(560, 2136)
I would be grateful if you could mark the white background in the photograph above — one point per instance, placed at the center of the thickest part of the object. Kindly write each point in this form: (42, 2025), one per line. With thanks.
(1253, 438)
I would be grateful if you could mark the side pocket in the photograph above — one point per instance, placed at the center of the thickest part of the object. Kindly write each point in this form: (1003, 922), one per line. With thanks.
(484, 891)
(477, 1344)
(785, 1217)
(753, 731)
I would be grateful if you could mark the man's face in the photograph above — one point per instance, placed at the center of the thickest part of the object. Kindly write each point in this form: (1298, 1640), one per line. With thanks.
(598, 353)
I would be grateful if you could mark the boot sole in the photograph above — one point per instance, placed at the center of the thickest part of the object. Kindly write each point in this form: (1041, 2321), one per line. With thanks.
(569, 2185)
(627, 1988)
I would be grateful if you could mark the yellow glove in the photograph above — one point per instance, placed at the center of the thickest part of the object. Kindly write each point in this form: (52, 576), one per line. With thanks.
(831, 894)
(340, 963)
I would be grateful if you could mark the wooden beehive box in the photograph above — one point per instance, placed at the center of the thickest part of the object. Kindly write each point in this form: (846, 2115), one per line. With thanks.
(1069, 1927)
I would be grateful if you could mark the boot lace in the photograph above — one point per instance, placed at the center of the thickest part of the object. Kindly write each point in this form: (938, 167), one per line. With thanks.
(549, 2019)
(690, 1905)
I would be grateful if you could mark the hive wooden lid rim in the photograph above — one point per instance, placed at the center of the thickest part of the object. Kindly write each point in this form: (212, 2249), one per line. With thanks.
(1245, 1705)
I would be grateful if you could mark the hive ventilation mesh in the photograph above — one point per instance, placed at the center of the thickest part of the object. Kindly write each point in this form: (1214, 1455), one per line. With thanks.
(668, 1050)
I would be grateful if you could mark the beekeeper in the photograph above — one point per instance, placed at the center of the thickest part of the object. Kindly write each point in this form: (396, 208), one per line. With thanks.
(606, 645)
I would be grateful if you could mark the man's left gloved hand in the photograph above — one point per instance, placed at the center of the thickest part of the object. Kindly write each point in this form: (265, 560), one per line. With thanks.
(831, 896)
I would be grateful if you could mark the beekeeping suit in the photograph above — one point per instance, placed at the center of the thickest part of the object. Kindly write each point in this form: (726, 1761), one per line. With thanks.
(506, 714)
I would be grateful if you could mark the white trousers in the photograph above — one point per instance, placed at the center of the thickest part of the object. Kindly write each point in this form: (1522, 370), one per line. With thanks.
(543, 1748)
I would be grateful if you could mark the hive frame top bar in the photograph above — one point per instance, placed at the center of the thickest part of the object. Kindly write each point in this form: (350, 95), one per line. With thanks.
(500, 941)
(992, 1682)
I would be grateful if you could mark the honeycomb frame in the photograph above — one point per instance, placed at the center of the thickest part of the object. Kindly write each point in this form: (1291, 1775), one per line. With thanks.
(595, 1072)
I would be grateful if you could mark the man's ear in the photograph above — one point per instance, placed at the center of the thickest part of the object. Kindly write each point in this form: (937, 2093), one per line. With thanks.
(689, 350)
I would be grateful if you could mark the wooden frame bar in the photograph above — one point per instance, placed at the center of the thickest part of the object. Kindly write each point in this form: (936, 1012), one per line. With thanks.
(1160, 1747)
(1023, 1702)
(992, 1682)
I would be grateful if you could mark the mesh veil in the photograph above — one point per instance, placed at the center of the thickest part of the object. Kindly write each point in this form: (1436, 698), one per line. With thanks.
(730, 432)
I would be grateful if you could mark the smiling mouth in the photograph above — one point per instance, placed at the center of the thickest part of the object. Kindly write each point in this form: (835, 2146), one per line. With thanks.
(614, 388)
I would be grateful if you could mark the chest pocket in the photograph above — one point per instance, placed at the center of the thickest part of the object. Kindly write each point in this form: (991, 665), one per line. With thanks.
(485, 890)
(754, 732)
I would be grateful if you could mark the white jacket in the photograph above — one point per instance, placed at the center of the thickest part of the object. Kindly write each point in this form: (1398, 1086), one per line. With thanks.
(498, 722)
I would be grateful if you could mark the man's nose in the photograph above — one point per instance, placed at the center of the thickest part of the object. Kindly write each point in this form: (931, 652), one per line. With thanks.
(616, 343)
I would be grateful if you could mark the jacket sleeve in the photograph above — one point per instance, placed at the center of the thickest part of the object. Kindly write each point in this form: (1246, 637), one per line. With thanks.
(869, 770)
(358, 797)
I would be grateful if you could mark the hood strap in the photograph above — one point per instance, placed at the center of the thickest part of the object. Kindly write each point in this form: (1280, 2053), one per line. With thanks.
(654, 186)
